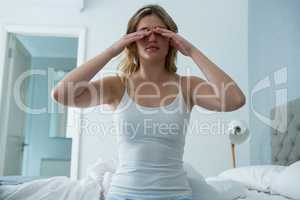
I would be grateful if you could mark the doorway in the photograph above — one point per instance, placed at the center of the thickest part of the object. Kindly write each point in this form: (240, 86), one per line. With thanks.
(39, 137)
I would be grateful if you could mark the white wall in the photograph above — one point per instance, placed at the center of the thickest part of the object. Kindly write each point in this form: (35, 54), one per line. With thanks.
(218, 28)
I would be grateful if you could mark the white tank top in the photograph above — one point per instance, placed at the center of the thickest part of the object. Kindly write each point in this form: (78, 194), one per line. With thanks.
(150, 150)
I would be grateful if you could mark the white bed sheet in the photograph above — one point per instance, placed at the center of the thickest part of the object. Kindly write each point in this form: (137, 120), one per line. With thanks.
(255, 195)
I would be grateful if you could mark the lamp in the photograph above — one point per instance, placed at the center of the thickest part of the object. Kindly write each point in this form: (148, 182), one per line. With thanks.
(238, 133)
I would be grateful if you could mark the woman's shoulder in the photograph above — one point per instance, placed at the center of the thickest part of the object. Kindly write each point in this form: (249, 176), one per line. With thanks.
(189, 80)
(117, 83)
(188, 77)
(188, 84)
(117, 79)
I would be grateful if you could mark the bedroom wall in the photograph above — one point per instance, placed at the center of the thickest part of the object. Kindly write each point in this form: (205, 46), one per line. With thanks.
(274, 29)
(218, 28)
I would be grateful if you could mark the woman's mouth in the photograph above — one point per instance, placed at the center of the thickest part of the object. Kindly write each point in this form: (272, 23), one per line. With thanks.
(152, 49)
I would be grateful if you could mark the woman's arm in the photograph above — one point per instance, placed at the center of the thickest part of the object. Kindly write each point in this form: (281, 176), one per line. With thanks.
(76, 89)
(76, 82)
(220, 92)
(229, 94)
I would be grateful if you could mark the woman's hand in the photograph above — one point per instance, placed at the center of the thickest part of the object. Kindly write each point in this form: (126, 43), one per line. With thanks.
(177, 41)
(127, 39)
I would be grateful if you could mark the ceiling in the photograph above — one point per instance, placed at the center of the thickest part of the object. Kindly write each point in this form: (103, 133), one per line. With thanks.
(45, 46)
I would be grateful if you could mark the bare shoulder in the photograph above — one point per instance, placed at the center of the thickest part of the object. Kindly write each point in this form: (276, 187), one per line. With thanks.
(193, 82)
(188, 81)
(102, 91)
(185, 87)
(192, 79)
(188, 84)
(111, 82)
(117, 83)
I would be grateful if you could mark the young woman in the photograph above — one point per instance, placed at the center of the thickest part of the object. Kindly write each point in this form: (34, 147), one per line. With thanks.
(154, 102)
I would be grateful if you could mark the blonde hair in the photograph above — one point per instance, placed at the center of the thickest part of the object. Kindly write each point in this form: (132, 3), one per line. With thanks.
(130, 63)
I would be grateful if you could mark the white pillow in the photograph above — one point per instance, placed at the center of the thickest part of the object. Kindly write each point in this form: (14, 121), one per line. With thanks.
(203, 191)
(229, 189)
(212, 190)
(257, 177)
(288, 182)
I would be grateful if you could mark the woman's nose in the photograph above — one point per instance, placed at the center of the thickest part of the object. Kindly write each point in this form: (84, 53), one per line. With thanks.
(152, 36)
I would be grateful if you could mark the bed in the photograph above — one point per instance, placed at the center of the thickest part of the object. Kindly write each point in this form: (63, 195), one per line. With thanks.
(285, 152)
(15, 180)
(285, 144)
(256, 195)
(249, 183)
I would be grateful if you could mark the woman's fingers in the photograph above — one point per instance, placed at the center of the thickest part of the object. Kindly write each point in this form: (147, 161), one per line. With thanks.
(138, 33)
(127, 39)
(164, 30)
(132, 37)
(168, 34)
(176, 41)
(135, 38)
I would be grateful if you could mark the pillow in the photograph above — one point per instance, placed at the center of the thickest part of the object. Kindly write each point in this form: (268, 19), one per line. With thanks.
(288, 182)
(228, 188)
(212, 190)
(254, 177)
(203, 191)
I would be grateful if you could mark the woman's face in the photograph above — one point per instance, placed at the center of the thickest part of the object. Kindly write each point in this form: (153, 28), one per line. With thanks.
(154, 46)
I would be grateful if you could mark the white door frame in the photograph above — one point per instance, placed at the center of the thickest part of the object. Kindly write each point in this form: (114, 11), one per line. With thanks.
(74, 114)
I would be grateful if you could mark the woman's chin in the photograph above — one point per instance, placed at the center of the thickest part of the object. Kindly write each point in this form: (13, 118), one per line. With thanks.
(152, 53)
(153, 58)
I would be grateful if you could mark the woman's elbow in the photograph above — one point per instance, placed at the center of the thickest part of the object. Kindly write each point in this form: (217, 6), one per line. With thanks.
(236, 103)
